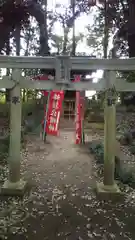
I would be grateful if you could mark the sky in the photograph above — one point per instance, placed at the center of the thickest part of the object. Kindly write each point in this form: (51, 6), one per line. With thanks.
(80, 25)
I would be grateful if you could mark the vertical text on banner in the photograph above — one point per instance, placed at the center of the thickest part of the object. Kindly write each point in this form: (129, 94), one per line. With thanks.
(78, 125)
(54, 111)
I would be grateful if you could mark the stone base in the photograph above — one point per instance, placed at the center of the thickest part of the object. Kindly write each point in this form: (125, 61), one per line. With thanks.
(14, 189)
(108, 192)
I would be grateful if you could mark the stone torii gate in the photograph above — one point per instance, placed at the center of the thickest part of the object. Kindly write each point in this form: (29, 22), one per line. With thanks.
(63, 65)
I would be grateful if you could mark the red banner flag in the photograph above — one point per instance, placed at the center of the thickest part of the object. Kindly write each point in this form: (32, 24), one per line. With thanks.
(54, 111)
(78, 125)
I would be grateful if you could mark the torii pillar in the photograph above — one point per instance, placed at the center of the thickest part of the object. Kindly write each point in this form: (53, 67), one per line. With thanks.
(108, 187)
(14, 185)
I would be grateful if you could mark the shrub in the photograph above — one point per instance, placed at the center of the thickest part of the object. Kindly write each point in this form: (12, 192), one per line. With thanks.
(4, 146)
(123, 172)
(130, 108)
(132, 149)
(97, 149)
(126, 139)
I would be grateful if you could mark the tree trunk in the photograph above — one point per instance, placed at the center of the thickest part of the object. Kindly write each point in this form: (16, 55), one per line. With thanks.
(18, 39)
(66, 31)
(7, 95)
(131, 28)
(5, 36)
(73, 34)
(131, 45)
(35, 10)
(24, 93)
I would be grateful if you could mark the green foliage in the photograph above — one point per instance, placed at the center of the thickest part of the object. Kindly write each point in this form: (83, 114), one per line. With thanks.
(32, 122)
(126, 138)
(2, 97)
(95, 117)
(28, 107)
(4, 110)
(129, 76)
(93, 110)
(126, 175)
(132, 149)
(123, 172)
(130, 108)
(98, 150)
(3, 152)
(4, 146)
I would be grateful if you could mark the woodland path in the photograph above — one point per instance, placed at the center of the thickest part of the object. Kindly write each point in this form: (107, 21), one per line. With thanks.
(62, 204)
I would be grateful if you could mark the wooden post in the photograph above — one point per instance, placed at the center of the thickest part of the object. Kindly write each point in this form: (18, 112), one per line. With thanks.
(45, 117)
(14, 185)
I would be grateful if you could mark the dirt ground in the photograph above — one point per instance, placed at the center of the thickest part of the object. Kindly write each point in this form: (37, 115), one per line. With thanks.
(62, 204)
